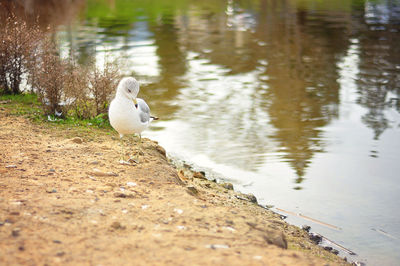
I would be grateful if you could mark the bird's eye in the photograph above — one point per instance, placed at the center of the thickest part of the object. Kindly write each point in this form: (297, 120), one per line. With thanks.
(129, 90)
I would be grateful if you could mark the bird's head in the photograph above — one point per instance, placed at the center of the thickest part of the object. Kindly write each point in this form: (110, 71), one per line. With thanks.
(128, 87)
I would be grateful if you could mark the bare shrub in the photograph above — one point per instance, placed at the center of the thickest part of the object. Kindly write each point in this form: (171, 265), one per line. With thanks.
(102, 84)
(17, 44)
(48, 76)
(76, 90)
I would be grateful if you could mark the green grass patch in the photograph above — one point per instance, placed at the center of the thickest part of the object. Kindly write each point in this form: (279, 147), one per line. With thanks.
(28, 105)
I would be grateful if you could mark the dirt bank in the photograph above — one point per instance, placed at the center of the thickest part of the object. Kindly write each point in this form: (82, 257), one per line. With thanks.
(64, 199)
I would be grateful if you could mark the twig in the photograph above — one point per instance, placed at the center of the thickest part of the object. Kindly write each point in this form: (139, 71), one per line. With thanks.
(310, 219)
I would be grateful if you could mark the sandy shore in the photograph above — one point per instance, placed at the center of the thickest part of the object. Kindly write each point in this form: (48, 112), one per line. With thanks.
(64, 199)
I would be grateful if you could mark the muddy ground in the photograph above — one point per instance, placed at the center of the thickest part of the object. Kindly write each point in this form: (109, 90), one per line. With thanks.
(65, 199)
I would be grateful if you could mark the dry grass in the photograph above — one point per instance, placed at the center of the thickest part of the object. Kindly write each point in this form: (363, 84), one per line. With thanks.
(17, 46)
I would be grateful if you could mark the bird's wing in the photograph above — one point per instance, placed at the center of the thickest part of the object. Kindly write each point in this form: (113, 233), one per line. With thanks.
(144, 110)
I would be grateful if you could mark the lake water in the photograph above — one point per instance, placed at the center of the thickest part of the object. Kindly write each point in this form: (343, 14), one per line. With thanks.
(296, 102)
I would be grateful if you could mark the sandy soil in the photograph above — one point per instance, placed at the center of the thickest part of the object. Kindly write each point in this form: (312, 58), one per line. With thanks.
(64, 199)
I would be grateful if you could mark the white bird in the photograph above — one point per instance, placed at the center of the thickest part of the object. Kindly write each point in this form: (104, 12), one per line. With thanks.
(127, 113)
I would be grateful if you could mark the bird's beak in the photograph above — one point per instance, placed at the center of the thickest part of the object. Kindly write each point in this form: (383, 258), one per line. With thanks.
(135, 102)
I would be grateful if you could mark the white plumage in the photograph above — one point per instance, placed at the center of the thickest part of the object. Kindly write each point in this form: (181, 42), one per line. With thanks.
(125, 117)
(127, 113)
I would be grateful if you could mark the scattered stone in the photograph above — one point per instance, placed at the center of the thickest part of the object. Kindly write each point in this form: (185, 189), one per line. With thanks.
(227, 185)
(192, 191)
(11, 166)
(15, 232)
(277, 239)
(21, 248)
(306, 228)
(182, 176)
(9, 221)
(217, 246)
(315, 238)
(57, 241)
(60, 253)
(131, 184)
(334, 251)
(117, 226)
(283, 217)
(14, 213)
(97, 172)
(247, 197)
(199, 175)
(251, 198)
(94, 162)
(77, 140)
(111, 184)
(178, 180)
(358, 263)
(161, 150)
(230, 228)
(124, 195)
(52, 170)
(51, 190)
(178, 211)
(131, 162)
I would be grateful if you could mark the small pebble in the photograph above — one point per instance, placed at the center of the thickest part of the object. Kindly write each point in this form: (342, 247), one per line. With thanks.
(306, 228)
(117, 225)
(131, 184)
(178, 211)
(60, 254)
(49, 190)
(77, 140)
(217, 246)
(15, 232)
(227, 185)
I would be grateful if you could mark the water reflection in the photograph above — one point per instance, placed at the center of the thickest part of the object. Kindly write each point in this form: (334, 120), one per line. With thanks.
(380, 62)
(291, 50)
(257, 86)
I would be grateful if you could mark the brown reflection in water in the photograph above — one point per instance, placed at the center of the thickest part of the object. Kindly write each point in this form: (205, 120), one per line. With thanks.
(172, 64)
(47, 12)
(302, 52)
